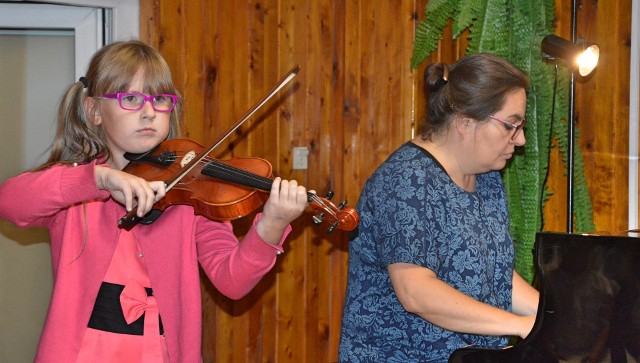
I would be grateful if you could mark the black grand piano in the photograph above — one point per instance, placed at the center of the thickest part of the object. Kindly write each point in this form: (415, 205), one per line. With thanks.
(589, 307)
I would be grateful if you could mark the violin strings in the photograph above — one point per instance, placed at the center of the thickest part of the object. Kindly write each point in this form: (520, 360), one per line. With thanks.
(320, 201)
(231, 171)
(225, 169)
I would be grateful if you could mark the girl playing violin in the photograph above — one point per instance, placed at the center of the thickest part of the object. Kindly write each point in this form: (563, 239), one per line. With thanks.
(131, 296)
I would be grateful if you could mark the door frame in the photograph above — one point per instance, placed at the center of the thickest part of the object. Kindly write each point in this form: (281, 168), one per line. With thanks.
(95, 22)
(125, 16)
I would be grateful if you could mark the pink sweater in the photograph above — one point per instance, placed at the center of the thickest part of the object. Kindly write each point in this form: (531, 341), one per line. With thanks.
(84, 237)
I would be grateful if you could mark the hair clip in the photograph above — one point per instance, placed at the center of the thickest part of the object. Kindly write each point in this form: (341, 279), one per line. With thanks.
(85, 81)
(442, 81)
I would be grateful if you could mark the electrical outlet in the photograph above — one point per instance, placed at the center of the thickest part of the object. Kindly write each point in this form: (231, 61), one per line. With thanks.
(300, 158)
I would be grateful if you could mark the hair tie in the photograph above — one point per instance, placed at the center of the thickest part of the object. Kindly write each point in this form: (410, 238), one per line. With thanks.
(442, 81)
(85, 82)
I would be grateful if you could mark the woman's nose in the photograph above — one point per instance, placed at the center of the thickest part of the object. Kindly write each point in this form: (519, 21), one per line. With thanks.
(520, 139)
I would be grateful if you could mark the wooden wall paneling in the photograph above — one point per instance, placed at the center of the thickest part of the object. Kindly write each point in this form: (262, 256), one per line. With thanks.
(375, 90)
(287, 292)
(193, 87)
(357, 142)
(601, 114)
(244, 58)
(330, 247)
(264, 72)
(342, 156)
(408, 87)
(233, 55)
(605, 97)
(372, 67)
(352, 104)
(418, 96)
(216, 308)
(210, 98)
(201, 55)
(234, 95)
(171, 40)
(264, 140)
(596, 149)
(555, 210)
(291, 280)
(395, 90)
(148, 20)
(324, 172)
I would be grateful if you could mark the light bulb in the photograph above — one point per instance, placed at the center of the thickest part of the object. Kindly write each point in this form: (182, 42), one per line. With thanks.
(588, 60)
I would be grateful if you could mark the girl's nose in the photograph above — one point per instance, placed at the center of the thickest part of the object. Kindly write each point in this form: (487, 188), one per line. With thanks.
(148, 111)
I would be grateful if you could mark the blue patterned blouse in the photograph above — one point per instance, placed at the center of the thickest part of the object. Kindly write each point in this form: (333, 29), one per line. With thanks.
(412, 212)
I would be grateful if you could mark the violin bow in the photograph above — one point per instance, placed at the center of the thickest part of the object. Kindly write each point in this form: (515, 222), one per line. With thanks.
(131, 219)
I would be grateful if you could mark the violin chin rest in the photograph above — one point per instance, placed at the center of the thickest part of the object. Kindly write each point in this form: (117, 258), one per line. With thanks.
(134, 157)
(151, 216)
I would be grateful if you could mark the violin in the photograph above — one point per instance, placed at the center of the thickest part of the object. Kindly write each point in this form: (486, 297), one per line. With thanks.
(219, 190)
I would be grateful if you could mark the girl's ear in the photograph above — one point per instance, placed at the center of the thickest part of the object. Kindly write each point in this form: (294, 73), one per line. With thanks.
(91, 109)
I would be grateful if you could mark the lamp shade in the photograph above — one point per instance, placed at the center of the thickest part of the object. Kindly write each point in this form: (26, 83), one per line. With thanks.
(580, 57)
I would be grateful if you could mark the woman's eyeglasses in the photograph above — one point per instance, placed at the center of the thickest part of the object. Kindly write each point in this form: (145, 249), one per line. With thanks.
(511, 126)
(134, 101)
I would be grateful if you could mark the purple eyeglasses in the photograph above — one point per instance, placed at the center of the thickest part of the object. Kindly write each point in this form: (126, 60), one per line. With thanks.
(511, 126)
(134, 101)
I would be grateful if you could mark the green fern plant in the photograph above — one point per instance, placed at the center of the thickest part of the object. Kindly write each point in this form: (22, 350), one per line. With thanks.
(514, 30)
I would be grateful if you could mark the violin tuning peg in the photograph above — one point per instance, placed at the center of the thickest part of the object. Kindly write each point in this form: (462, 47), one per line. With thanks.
(332, 228)
(317, 219)
(330, 195)
(342, 204)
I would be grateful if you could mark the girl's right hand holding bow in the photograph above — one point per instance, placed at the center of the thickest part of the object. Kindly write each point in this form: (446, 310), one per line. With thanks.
(129, 189)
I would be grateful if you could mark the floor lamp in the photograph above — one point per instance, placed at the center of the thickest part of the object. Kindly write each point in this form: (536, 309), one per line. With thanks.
(577, 57)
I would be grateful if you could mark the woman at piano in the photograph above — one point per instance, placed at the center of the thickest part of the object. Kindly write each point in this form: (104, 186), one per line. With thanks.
(432, 266)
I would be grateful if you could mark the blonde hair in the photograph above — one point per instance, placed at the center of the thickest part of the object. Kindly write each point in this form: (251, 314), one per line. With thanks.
(111, 70)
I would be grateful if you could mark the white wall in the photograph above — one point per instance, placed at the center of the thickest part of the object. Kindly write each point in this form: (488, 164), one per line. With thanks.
(34, 73)
(32, 69)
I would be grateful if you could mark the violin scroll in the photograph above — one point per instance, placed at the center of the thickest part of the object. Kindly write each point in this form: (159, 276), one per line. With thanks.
(340, 217)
